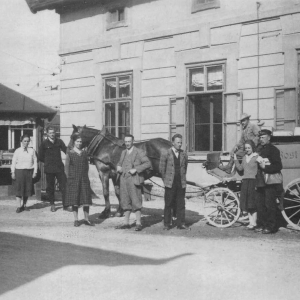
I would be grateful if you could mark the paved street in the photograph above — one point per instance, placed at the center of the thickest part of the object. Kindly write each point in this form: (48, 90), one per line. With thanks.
(44, 257)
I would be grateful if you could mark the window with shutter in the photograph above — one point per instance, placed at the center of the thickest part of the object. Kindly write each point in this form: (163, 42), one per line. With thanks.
(199, 5)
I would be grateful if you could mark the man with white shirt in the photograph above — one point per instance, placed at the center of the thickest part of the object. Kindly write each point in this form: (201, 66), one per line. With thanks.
(50, 155)
(133, 163)
(173, 167)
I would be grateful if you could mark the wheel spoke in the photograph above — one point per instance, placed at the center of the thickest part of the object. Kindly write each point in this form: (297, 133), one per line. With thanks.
(212, 212)
(293, 192)
(226, 216)
(293, 200)
(294, 214)
(290, 207)
(230, 213)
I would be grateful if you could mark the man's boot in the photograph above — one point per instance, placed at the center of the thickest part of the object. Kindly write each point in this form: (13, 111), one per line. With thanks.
(228, 167)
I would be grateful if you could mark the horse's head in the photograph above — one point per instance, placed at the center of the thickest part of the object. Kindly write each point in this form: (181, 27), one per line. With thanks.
(86, 134)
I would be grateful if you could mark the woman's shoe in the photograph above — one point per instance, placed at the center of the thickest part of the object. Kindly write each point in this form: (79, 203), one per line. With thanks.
(138, 227)
(251, 227)
(76, 223)
(88, 223)
(19, 209)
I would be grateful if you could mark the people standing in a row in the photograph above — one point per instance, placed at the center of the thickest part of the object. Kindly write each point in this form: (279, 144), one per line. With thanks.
(23, 169)
(173, 167)
(78, 190)
(249, 168)
(50, 154)
(269, 184)
(131, 167)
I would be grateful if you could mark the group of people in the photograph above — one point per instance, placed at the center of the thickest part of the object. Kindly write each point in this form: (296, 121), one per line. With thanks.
(72, 177)
(260, 162)
(254, 155)
(74, 183)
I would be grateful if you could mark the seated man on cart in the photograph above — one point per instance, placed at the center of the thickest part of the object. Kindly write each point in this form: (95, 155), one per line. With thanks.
(249, 132)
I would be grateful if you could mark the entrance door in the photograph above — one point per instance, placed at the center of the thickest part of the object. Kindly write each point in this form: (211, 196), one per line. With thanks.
(205, 113)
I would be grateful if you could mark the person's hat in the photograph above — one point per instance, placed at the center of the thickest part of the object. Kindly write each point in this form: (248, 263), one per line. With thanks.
(265, 132)
(244, 116)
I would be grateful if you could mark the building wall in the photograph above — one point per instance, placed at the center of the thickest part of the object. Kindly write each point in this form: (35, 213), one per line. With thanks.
(157, 50)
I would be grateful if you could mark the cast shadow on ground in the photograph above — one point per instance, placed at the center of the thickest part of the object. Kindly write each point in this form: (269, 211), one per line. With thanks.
(24, 259)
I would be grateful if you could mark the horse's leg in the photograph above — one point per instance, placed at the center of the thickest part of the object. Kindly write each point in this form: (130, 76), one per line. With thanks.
(105, 189)
(120, 211)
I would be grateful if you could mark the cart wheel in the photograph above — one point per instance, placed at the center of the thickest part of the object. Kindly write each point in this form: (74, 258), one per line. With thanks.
(221, 207)
(291, 204)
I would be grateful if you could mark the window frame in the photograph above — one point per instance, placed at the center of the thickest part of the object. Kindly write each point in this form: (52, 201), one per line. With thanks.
(116, 24)
(205, 66)
(196, 7)
(190, 139)
(118, 100)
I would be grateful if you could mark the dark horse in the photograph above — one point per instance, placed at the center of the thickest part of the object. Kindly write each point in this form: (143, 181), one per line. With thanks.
(105, 150)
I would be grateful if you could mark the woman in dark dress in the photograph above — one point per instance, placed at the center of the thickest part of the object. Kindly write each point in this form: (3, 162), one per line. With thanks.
(78, 191)
(249, 166)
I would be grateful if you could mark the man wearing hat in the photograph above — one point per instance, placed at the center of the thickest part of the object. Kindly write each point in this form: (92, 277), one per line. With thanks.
(269, 163)
(249, 132)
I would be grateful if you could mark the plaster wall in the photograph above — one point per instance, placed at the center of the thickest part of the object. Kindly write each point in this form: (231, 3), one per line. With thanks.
(158, 50)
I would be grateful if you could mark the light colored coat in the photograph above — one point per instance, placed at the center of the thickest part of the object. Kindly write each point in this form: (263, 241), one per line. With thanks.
(167, 167)
(139, 161)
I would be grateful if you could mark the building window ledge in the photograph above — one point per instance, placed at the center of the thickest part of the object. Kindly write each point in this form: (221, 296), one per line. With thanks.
(114, 25)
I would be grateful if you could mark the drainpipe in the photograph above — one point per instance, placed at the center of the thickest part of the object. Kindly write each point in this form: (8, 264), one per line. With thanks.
(259, 122)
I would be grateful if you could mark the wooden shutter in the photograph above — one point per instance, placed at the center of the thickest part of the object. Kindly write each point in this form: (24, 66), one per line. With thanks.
(286, 109)
(177, 118)
(233, 107)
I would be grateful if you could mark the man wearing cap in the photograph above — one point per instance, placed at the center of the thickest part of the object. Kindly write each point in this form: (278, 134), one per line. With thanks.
(269, 163)
(249, 132)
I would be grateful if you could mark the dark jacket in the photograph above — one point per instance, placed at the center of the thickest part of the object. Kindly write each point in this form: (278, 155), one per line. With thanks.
(139, 161)
(273, 154)
(49, 154)
(167, 167)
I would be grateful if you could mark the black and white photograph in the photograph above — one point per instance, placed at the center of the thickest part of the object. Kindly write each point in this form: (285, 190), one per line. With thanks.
(149, 149)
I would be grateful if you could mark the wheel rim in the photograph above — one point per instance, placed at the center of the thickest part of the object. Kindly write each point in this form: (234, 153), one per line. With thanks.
(291, 204)
(221, 207)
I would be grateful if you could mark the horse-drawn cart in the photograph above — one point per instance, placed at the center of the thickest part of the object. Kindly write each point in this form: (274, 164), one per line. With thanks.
(221, 200)
(221, 190)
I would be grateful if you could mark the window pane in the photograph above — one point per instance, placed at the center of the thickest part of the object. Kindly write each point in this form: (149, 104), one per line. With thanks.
(202, 137)
(217, 111)
(123, 131)
(114, 16)
(217, 138)
(214, 78)
(112, 130)
(110, 88)
(124, 113)
(196, 80)
(125, 86)
(110, 114)
(121, 14)
(202, 111)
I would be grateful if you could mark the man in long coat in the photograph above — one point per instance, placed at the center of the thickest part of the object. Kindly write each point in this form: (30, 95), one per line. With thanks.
(249, 132)
(50, 154)
(173, 167)
(133, 162)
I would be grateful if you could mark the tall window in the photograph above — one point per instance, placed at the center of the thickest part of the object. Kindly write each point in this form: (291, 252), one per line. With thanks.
(117, 104)
(205, 87)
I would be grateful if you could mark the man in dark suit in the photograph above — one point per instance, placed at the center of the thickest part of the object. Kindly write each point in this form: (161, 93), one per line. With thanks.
(173, 167)
(49, 154)
(133, 162)
(269, 163)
